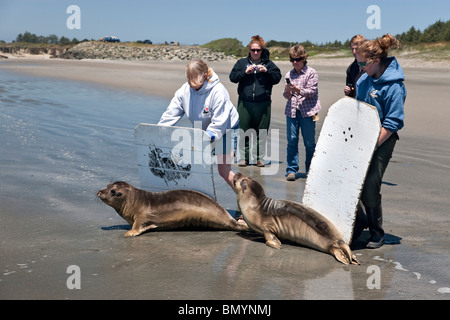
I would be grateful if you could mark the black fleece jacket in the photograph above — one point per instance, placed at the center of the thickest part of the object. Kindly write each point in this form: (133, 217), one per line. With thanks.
(255, 87)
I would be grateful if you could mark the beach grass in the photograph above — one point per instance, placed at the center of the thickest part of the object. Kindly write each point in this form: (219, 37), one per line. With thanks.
(435, 52)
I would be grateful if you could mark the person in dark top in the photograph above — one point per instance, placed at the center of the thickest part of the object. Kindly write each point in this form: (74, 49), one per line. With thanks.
(353, 70)
(255, 75)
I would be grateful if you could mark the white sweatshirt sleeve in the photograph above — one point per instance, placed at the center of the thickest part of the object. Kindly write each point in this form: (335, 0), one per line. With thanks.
(174, 111)
(220, 120)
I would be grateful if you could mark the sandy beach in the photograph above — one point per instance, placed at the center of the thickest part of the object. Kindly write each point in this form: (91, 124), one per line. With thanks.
(37, 248)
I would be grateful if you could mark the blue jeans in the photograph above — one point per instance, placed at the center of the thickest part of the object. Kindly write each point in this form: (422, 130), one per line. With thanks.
(308, 130)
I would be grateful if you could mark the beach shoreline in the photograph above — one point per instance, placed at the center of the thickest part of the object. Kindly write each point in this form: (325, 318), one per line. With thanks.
(150, 76)
(415, 199)
(163, 78)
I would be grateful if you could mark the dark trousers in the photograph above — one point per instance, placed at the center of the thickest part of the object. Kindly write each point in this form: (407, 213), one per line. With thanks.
(254, 115)
(371, 196)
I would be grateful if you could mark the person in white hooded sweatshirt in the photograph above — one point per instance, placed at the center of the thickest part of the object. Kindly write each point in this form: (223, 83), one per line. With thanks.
(203, 99)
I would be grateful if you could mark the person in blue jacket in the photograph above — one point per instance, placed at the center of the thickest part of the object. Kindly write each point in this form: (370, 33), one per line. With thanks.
(381, 86)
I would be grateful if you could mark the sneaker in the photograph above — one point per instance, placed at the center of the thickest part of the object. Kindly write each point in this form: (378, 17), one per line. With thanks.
(291, 177)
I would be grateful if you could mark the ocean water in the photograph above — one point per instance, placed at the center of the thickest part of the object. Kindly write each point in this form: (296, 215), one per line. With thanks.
(62, 140)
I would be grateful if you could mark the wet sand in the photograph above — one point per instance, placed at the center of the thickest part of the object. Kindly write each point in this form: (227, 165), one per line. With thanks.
(38, 248)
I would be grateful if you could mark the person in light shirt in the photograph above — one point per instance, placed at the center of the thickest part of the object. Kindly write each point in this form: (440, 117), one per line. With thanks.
(302, 107)
(203, 99)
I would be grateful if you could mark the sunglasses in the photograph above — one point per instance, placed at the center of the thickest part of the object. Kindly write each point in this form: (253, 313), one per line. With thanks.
(256, 50)
(363, 64)
(295, 59)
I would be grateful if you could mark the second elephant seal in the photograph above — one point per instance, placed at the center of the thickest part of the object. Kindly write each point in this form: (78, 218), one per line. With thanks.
(166, 210)
(288, 220)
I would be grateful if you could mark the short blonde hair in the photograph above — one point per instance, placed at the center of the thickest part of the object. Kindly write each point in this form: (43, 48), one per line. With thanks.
(357, 39)
(195, 71)
(298, 51)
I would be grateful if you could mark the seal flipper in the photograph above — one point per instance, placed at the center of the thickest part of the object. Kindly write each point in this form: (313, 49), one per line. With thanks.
(350, 256)
(138, 230)
(339, 255)
(341, 251)
(272, 240)
(132, 233)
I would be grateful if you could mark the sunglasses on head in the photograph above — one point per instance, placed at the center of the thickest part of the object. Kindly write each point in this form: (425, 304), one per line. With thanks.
(256, 50)
(295, 59)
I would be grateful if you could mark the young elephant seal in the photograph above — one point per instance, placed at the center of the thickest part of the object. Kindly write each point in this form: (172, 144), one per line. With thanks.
(166, 210)
(288, 220)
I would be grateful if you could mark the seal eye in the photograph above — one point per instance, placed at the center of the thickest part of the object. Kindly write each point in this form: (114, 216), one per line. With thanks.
(244, 185)
(115, 194)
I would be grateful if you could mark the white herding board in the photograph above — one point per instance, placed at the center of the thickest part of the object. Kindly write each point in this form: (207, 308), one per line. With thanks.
(174, 158)
(338, 169)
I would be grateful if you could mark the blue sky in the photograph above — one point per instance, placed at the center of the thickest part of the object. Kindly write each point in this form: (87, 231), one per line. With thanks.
(201, 21)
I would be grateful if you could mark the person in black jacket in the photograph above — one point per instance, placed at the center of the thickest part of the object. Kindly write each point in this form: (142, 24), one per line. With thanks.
(353, 70)
(255, 75)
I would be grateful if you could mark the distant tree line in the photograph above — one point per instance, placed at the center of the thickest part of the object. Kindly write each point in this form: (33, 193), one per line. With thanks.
(308, 44)
(232, 46)
(28, 37)
(437, 32)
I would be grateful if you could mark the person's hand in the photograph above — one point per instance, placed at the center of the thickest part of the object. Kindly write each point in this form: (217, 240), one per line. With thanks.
(211, 136)
(293, 89)
(261, 68)
(250, 69)
(348, 91)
